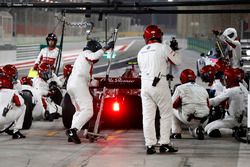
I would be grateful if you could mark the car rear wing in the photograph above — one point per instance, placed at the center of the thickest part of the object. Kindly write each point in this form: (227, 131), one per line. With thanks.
(118, 82)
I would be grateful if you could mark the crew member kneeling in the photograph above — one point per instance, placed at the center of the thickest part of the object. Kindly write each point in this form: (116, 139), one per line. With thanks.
(12, 107)
(190, 103)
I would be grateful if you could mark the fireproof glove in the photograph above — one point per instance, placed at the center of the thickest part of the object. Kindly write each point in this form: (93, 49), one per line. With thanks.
(170, 77)
(52, 85)
(217, 32)
(174, 44)
(109, 45)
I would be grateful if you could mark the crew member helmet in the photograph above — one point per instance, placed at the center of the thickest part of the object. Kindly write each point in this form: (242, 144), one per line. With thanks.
(44, 71)
(187, 75)
(10, 71)
(93, 46)
(26, 81)
(207, 73)
(231, 33)
(152, 33)
(5, 82)
(51, 36)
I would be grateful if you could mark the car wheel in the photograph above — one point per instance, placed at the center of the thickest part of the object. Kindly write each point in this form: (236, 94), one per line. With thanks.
(57, 96)
(27, 96)
(68, 111)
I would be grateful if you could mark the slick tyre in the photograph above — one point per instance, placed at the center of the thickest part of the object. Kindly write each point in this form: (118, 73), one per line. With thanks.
(68, 111)
(27, 96)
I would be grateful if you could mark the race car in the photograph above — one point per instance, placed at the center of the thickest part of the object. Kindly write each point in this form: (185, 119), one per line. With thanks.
(207, 59)
(122, 102)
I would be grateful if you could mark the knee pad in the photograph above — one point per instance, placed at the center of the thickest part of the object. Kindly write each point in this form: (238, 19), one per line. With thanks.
(215, 133)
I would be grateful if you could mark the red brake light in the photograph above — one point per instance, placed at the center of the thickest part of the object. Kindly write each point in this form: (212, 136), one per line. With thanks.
(116, 106)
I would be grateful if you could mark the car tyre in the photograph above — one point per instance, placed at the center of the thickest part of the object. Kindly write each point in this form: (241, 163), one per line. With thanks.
(27, 96)
(68, 110)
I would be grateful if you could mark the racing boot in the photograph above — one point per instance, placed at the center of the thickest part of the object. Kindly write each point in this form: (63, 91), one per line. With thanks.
(9, 132)
(200, 133)
(215, 133)
(70, 140)
(18, 135)
(150, 150)
(55, 115)
(167, 148)
(239, 131)
(72, 135)
(48, 116)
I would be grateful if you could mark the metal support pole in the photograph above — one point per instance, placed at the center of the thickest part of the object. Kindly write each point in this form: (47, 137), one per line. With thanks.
(59, 57)
(106, 29)
(97, 122)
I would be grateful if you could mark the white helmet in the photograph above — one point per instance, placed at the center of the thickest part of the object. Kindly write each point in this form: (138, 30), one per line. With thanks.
(231, 33)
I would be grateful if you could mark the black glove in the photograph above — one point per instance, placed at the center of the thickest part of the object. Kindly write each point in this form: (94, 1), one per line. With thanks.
(174, 44)
(52, 85)
(190, 117)
(170, 77)
(109, 45)
(217, 32)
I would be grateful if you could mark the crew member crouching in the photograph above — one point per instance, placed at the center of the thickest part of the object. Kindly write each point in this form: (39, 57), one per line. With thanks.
(237, 106)
(190, 103)
(12, 107)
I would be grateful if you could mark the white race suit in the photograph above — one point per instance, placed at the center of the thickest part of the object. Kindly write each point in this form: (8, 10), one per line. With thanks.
(15, 112)
(49, 56)
(38, 110)
(153, 60)
(42, 88)
(192, 99)
(237, 99)
(78, 87)
(235, 47)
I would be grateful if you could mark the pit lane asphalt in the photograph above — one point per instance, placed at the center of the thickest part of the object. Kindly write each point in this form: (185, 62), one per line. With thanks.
(46, 145)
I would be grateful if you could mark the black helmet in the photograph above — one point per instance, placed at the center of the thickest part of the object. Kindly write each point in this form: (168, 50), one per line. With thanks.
(93, 46)
(51, 36)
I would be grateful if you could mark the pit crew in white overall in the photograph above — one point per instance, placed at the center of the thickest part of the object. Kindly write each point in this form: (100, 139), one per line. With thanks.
(190, 102)
(153, 60)
(41, 84)
(229, 36)
(214, 79)
(78, 86)
(49, 54)
(219, 83)
(237, 109)
(38, 110)
(12, 107)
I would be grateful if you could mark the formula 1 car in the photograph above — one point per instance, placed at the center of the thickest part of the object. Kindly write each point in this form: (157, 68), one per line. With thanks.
(122, 103)
(207, 59)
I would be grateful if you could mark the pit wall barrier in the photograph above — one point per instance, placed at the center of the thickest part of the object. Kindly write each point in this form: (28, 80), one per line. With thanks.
(200, 45)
